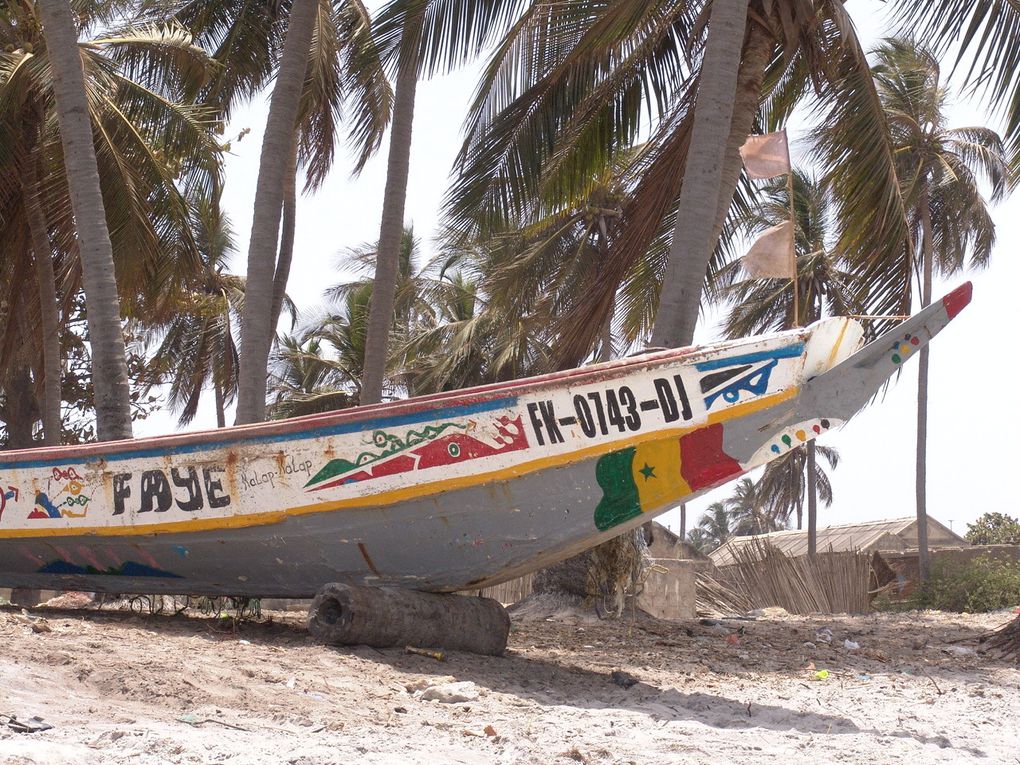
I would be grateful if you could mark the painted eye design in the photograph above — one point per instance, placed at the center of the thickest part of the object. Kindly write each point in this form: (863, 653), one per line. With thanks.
(453, 449)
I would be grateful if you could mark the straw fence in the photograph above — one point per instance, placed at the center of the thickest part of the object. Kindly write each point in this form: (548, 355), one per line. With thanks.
(763, 576)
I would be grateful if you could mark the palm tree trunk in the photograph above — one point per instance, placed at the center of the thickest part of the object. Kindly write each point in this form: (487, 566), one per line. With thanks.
(380, 312)
(923, 558)
(265, 229)
(49, 310)
(19, 410)
(798, 503)
(728, 99)
(221, 416)
(286, 237)
(109, 368)
(812, 501)
(606, 352)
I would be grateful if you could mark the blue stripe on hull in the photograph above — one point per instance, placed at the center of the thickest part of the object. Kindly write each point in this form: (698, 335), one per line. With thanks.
(788, 352)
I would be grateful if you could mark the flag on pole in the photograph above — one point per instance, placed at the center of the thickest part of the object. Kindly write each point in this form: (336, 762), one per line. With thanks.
(766, 156)
(772, 256)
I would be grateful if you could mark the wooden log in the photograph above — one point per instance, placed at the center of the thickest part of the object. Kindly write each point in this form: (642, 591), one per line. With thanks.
(383, 617)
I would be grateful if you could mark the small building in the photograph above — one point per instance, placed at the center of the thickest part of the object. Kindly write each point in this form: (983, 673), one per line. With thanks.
(669, 590)
(873, 536)
(663, 543)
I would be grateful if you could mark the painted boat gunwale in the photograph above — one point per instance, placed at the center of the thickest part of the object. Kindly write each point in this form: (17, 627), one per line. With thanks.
(305, 427)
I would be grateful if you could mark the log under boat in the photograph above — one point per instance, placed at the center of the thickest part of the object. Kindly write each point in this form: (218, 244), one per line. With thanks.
(441, 493)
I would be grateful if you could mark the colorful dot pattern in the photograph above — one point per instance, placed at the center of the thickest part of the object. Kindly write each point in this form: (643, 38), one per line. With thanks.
(903, 348)
(789, 441)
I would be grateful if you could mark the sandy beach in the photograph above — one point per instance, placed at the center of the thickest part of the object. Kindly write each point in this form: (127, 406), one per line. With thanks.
(119, 687)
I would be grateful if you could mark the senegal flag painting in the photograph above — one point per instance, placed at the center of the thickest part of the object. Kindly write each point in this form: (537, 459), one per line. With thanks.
(636, 479)
(655, 474)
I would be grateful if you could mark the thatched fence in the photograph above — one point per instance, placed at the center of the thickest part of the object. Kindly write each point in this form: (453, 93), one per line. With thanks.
(763, 576)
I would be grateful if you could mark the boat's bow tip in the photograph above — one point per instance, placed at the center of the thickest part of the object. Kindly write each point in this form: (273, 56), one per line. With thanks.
(958, 299)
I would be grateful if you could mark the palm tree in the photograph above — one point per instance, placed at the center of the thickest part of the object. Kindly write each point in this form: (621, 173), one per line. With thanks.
(197, 346)
(747, 511)
(787, 481)
(142, 137)
(986, 38)
(713, 529)
(719, 90)
(333, 65)
(113, 408)
(277, 145)
(941, 170)
(419, 36)
(544, 126)
(380, 318)
(536, 266)
(46, 282)
(320, 369)
(410, 280)
(467, 339)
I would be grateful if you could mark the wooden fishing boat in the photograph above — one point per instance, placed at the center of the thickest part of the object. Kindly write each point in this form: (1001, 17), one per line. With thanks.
(447, 492)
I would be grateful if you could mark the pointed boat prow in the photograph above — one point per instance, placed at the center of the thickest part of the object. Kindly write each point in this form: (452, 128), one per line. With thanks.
(846, 388)
(838, 392)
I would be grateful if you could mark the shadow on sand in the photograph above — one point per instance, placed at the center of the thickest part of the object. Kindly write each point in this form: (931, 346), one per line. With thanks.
(548, 682)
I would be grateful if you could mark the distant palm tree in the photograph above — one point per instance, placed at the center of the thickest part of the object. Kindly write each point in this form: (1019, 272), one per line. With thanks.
(713, 529)
(320, 368)
(303, 380)
(539, 265)
(987, 54)
(698, 539)
(767, 305)
(196, 345)
(787, 482)
(469, 341)
(758, 306)
(410, 281)
(941, 169)
(747, 511)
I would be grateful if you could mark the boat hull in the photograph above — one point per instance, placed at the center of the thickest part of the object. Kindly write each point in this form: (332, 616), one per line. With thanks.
(445, 493)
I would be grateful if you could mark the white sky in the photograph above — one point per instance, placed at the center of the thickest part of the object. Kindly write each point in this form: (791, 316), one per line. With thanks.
(974, 417)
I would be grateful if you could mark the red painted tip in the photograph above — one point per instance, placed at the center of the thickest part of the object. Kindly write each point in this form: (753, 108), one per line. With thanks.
(958, 299)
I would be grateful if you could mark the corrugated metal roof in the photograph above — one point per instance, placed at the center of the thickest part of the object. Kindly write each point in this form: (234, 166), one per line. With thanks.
(894, 534)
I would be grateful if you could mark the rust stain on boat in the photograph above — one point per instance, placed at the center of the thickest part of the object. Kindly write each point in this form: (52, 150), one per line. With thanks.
(368, 558)
(230, 468)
